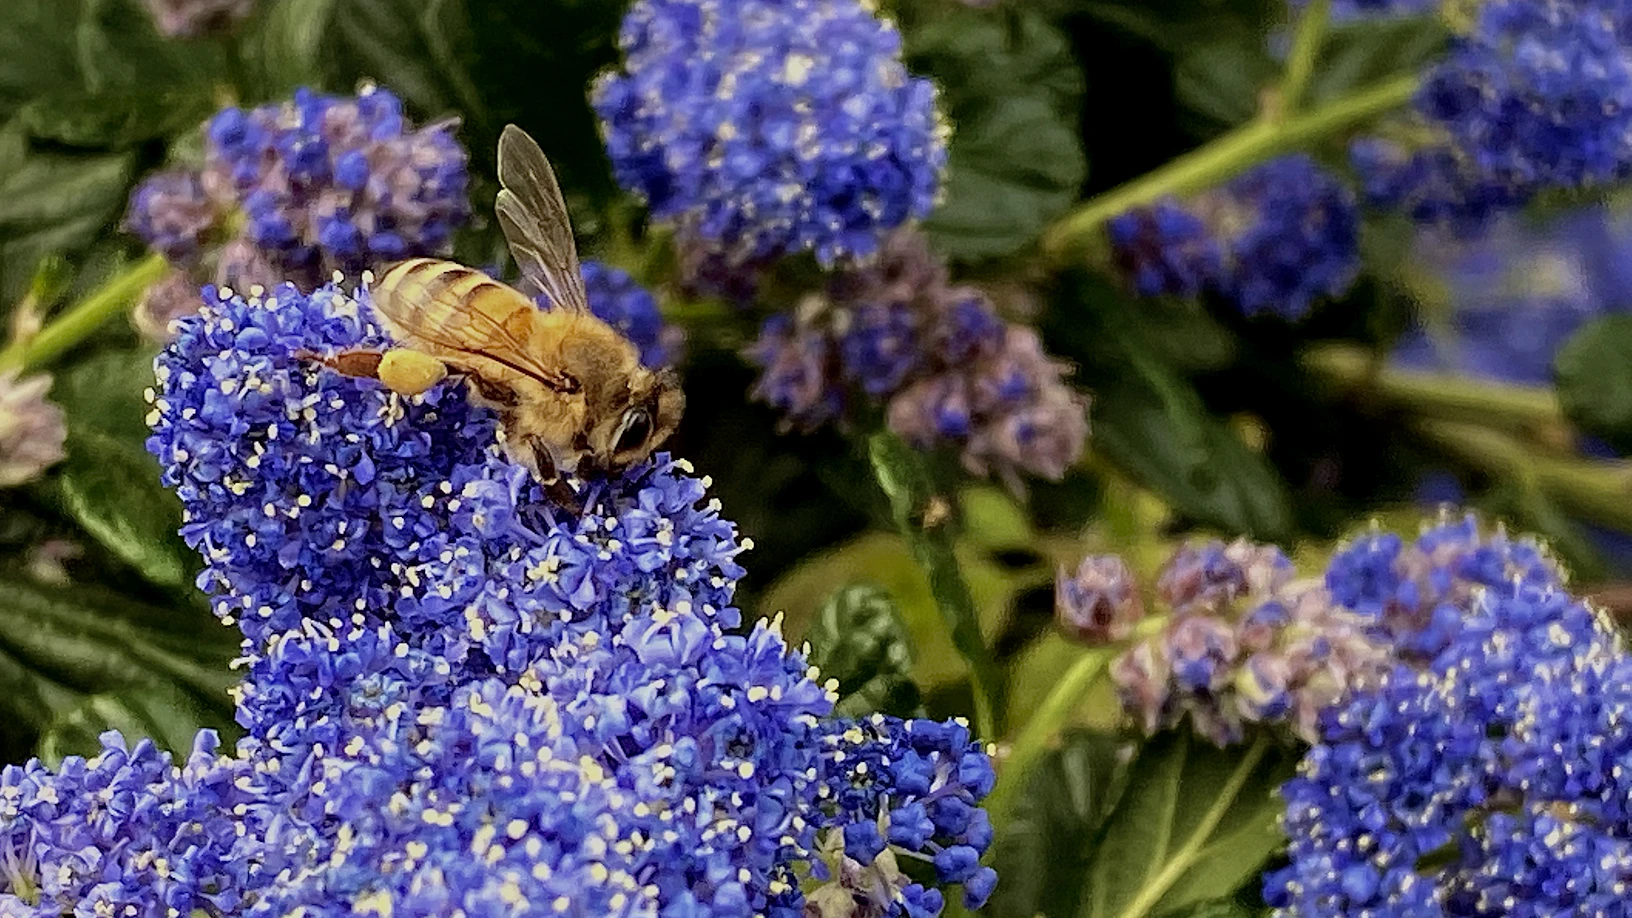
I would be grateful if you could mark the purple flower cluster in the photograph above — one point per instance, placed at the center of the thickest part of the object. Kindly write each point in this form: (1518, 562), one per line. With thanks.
(1482, 773)
(193, 18)
(463, 698)
(1246, 643)
(32, 431)
(299, 190)
(772, 127)
(946, 368)
(1273, 240)
(1100, 602)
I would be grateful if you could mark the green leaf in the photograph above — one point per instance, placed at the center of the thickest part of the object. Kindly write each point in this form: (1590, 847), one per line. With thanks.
(1194, 823)
(860, 640)
(919, 513)
(104, 393)
(415, 48)
(115, 120)
(52, 203)
(1364, 53)
(1162, 435)
(1013, 91)
(91, 642)
(36, 51)
(111, 487)
(159, 711)
(1041, 851)
(1212, 908)
(283, 47)
(1594, 373)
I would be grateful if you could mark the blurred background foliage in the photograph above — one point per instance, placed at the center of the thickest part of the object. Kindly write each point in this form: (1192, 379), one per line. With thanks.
(1410, 389)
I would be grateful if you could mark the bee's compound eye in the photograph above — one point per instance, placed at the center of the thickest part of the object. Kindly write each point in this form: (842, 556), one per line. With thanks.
(634, 431)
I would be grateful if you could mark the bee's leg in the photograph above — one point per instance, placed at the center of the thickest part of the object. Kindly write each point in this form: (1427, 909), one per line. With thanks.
(361, 364)
(555, 484)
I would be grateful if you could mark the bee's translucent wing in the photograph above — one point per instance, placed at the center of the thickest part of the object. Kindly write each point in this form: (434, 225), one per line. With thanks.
(535, 221)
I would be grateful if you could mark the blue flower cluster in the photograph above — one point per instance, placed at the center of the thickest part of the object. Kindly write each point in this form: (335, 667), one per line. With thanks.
(620, 301)
(1534, 95)
(947, 369)
(298, 190)
(1519, 292)
(1481, 773)
(126, 833)
(462, 697)
(1273, 240)
(1246, 643)
(772, 127)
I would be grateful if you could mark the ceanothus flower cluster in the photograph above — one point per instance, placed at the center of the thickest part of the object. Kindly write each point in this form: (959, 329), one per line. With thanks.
(772, 127)
(1275, 240)
(1245, 643)
(195, 18)
(1483, 773)
(463, 698)
(1534, 95)
(296, 191)
(32, 430)
(946, 369)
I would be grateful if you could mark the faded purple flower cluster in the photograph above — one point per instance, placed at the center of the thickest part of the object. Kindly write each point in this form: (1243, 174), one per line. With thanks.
(194, 18)
(938, 359)
(462, 698)
(297, 191)
(1246, 643)
(32, 432)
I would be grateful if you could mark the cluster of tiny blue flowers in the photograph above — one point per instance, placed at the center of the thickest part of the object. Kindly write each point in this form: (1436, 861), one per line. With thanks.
(125, 833)
(772, 127)
(621, 302)
(1273, 240)
(460, 696)
(1534, 95)
(1246, 643)
(1482, 773)
(945, 367)
(298, 190)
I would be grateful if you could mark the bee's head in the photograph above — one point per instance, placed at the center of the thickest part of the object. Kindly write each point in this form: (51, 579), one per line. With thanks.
(628, 434)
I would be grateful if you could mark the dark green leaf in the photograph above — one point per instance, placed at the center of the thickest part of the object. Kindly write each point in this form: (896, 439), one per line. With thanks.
(36, 51)
(414, 48)
(1219, 73)
(111, 487)
(1361, 54)
(104, 394)
(1163, 436)
(115, 120)
(159, 711)
(920, 513)
(1013, 91)
(1594, 372)
(283, 48)
(859, 639)
(1194, 824)
(52, 203)
(1041, 851)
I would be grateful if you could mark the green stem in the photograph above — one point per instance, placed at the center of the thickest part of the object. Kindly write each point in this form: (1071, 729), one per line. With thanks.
(913, 498)
(1599, 491)
(1052, 716)
(1532, 410)
(1223, 158)
(77, 322)
(1152, 892)
(1300, 64)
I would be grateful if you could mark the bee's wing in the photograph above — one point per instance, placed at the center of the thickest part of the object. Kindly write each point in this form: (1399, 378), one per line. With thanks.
(535, 221)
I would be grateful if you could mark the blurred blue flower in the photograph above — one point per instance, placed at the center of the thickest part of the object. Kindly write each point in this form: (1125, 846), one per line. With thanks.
(771, 127)
(1273, 240)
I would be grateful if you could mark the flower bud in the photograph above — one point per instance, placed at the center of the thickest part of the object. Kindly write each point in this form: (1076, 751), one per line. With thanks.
(1101, 603)
(31, 429)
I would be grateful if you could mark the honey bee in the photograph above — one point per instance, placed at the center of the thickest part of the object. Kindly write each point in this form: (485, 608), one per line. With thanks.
(570, 391)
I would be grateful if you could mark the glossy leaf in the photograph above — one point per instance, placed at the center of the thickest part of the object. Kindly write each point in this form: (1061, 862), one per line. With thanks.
(111, 487)
(860, 640)
(158, 711)
(1042, 850)
(1194, 824)
(1012, 91)
(52, 203)
(1594, 371)
(283, 48)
